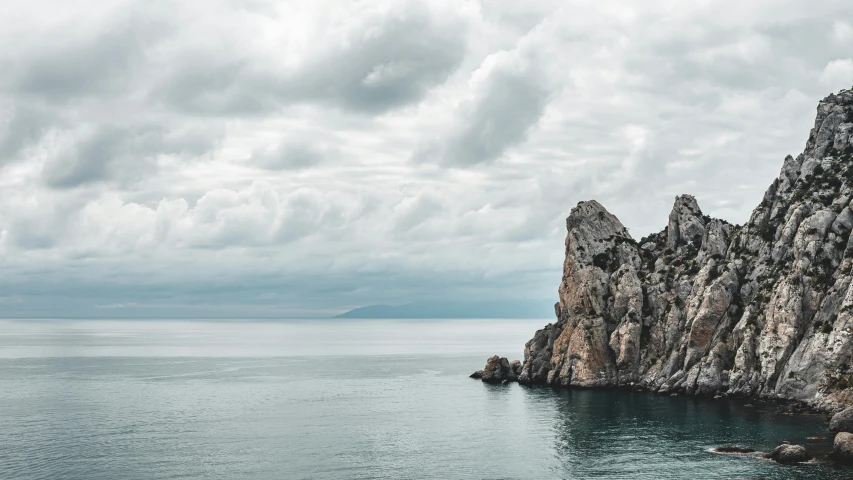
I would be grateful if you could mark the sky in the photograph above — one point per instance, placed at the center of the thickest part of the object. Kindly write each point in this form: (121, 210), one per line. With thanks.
(260, 158)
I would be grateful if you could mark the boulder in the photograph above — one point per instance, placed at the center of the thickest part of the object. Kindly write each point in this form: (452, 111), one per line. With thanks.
(842, 421)
(478, 374)
(788, 454)
(842, 448)
(499, 369)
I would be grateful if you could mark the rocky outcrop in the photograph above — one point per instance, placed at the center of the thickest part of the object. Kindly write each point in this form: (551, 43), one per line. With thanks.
(705, 307)
(499, 369)
(789, 454)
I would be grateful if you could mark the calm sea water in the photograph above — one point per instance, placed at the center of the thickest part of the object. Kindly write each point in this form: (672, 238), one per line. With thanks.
(343, 399)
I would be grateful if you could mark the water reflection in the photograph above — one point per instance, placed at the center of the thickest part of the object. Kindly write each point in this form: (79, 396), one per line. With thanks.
(606, 434)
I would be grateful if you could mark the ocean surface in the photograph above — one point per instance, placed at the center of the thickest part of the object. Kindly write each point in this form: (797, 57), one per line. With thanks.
(345, 399)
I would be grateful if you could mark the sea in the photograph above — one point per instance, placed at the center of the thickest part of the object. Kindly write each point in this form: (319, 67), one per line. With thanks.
(348, 399)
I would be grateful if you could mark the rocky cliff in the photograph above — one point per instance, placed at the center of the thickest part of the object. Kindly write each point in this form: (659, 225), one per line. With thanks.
(706, 307)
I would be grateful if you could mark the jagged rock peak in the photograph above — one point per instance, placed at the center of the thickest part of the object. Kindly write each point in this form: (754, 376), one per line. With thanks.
(832, 125)
(685, 222)
(592, 230)
(591, 217)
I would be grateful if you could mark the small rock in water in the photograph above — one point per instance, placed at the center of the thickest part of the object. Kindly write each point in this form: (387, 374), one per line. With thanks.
(734, 449)
(499, 370)
(788, 454)
(477, 374)
(842, 448)
(842, 421)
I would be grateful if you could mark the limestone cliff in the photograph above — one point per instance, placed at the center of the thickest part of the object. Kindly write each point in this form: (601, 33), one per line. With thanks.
(706, 307)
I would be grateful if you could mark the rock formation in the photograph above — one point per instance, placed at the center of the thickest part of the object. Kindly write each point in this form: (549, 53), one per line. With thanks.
(705, 307)
(499, 369)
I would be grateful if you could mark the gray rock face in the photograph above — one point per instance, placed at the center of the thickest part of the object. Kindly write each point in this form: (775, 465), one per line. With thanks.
(709, 308)
(842, 421)
(790, 454)
(842, 448)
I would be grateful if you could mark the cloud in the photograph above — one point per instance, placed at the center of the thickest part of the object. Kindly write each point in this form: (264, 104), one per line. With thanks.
(387, 61)
(838, 74)
(414, 211)
(22, 127)
(842, 33)
(101, 61)
(106, 153)
(292, 156)
(254, 156)
(508, 96)
(376, 60)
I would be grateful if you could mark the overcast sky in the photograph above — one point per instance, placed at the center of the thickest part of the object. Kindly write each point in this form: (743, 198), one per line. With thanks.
(226, 157)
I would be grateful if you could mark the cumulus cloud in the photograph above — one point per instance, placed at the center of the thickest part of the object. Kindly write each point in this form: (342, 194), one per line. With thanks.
(255, 157)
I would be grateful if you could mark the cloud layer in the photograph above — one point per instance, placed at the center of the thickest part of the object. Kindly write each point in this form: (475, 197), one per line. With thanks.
(264, 158)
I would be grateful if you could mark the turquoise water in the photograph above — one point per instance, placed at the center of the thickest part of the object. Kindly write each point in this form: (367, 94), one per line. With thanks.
(344, 399)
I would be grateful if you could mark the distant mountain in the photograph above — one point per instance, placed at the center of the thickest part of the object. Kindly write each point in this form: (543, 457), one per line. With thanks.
(497, 309)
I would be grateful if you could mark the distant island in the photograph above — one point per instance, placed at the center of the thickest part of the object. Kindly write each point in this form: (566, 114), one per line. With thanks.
(439, 309)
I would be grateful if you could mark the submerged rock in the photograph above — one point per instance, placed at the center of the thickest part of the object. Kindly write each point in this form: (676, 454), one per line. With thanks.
(842, 421)
(705, 307)
(734, 449)
(789, 454)
(842, 448)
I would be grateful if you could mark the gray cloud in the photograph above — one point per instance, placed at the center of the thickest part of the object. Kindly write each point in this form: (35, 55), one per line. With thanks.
(510, 103)
(393, 60)
(392, 65)
(292, 156)
(102, 64)
(23, 127)
(508, 95)
(108, 153)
